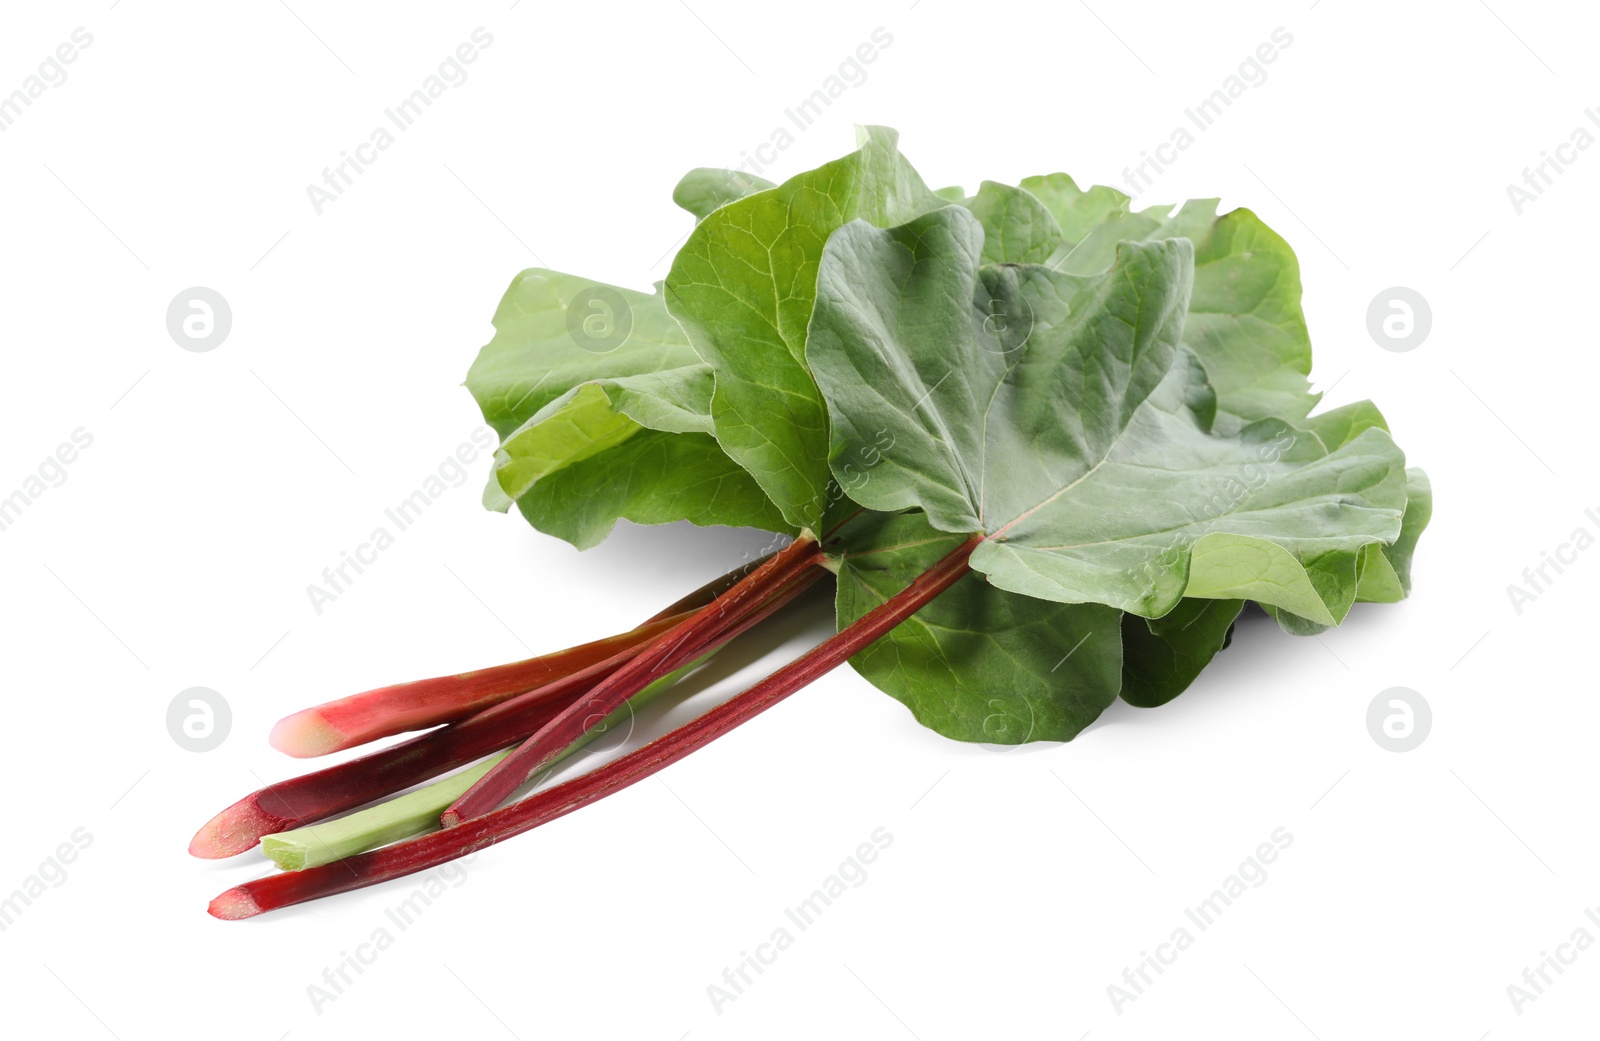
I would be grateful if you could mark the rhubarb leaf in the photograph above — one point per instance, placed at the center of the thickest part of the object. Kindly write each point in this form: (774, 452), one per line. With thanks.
(1419, 510)
(1162, 656)
(654, 478)
(979, 663)
(1245, 320)
(1017, 228)
(1087, 218)
(742, 287)
(1077, 441)
(1338, 426)
(604, 412)
(540, 350)
(1383, 571)
(1376, 580)
(705, 189)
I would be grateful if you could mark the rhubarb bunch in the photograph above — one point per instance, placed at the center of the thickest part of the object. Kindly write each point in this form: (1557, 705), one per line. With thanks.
(1048, 446)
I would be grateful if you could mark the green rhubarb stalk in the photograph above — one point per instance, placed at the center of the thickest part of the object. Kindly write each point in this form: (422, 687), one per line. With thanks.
(417, 813)
(402, 817)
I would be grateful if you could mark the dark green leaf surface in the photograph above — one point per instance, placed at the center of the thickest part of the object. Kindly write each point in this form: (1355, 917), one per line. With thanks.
(1162, 656)
(979, 663)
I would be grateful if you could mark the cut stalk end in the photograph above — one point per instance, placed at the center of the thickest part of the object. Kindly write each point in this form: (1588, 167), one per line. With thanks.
(233, 905)
(234, 830)
(307, 734)
(288, 854)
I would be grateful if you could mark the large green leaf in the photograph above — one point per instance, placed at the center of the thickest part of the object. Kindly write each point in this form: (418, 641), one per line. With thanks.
(603, 408)
(1077, 440)
(1245, 320)
(978, 663)
(742, 287)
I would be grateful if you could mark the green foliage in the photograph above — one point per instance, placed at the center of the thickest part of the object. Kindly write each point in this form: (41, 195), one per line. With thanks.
(1118, 401)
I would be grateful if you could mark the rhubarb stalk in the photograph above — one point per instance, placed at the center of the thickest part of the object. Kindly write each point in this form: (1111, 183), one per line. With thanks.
(417, 813)
(338, 789)
(403, 858)
(360, 718)
(386, 711)
(540, 749)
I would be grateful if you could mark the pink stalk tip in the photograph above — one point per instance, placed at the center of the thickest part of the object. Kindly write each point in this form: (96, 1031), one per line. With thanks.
(306, 734)
(450, 818)
(233, 905)
(234, 830)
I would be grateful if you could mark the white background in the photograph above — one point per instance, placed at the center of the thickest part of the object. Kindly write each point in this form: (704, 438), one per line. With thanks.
(1019, 885)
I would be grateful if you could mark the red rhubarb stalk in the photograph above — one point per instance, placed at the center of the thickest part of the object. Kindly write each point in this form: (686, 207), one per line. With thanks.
(496, 786)
(355, 720)
(419, 854)
(710, 591)
(338, 789)
(386, 711)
